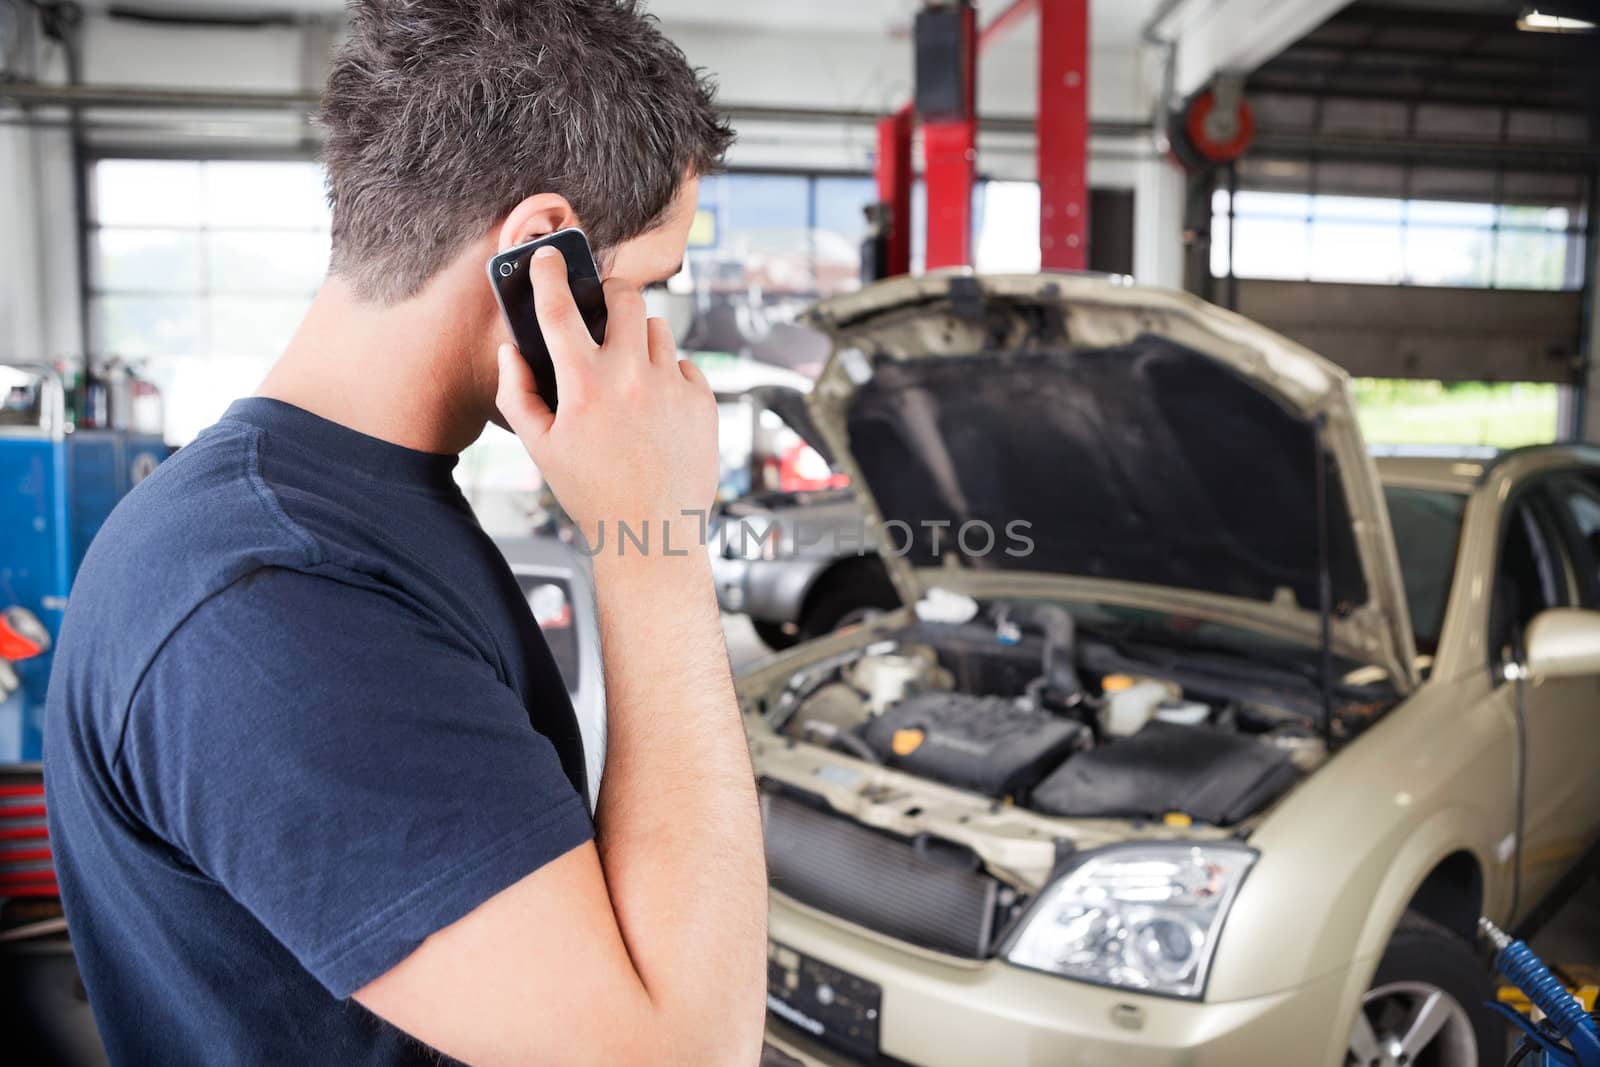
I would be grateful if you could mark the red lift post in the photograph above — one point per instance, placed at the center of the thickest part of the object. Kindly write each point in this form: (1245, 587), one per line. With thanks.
(1062, 134)
(950, 147)
(950, 162)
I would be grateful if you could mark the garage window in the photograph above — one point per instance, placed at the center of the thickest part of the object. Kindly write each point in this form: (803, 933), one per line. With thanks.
(1394, 241)
(200, 270)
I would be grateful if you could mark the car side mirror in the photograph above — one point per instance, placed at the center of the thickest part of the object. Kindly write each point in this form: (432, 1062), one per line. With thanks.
(1563, 643)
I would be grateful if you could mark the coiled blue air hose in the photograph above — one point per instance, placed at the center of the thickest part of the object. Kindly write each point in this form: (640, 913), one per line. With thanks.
(1568, 1037)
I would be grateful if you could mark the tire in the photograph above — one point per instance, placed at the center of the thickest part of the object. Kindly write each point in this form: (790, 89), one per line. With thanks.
(847, 594)
(1431, 991)
(773, 635)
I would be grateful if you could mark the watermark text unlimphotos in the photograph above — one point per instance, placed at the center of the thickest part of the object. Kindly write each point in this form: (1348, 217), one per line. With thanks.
(762, 538)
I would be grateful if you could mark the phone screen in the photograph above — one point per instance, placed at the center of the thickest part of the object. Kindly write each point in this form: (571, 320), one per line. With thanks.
(508, 273)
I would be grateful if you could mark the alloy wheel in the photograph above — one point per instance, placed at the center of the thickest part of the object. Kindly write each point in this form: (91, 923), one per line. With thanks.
(1411, 1024)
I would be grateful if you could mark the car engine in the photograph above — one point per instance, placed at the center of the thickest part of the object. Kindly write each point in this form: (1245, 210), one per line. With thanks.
(997, 708)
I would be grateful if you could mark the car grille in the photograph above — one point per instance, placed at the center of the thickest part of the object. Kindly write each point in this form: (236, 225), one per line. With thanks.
(876, 880)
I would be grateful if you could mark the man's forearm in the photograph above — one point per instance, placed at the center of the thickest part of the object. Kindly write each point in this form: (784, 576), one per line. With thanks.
(677, 823)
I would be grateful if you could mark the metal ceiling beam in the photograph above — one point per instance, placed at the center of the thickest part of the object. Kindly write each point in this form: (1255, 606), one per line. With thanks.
(1569, 158)
(131, 97)
(1487, 97)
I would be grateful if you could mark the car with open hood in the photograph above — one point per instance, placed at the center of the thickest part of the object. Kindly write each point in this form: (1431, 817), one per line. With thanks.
(1205, 738)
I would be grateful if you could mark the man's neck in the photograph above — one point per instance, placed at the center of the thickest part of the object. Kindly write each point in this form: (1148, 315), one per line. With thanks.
(402, 373)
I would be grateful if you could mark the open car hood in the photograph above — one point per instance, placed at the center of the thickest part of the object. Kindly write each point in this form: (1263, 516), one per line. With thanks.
(1161, 452)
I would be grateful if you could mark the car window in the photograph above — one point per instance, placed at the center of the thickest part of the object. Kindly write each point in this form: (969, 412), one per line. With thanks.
(1529, 578)
(1581, 504)
(1427, 529)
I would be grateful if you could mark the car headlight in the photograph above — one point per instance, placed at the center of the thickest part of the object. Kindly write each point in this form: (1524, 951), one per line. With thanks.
(1137, 916)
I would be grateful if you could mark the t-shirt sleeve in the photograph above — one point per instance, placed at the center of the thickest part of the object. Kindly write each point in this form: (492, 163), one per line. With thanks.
(348, 771)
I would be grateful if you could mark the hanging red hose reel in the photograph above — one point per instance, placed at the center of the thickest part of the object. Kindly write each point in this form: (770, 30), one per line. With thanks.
(1213, 127)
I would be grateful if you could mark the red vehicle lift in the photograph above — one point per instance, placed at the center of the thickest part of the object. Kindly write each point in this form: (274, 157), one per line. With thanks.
(950, 145)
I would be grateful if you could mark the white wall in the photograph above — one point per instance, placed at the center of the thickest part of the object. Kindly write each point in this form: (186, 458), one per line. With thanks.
(38, 271)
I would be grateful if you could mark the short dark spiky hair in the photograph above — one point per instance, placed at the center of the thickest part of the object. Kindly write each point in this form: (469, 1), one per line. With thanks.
(443, 115)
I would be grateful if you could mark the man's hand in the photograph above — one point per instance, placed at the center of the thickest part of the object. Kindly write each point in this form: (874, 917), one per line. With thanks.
(635, 439)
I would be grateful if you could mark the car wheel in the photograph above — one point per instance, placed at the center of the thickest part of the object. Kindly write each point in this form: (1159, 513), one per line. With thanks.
(848, 595)
(773, 635)
(1427, 1006)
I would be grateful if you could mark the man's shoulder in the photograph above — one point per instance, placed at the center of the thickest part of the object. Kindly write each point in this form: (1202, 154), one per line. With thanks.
(200, 520)
(199, 523)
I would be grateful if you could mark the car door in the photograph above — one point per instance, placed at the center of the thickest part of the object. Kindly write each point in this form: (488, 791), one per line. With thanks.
(1542, 564)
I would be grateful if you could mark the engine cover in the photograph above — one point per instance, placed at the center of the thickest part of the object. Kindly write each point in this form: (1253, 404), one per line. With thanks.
(986, 744)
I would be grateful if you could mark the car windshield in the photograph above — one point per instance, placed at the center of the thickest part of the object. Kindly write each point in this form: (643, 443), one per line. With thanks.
(1427, 527)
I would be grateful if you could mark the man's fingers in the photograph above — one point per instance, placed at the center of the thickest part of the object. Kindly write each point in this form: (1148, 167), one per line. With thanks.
(692, 373)
(524, 409)
(625, 328)
(663, 349)
(565, 335)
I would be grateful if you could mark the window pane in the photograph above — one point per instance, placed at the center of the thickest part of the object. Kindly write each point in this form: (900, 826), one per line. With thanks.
(195, 392)
(1270, 248)
(1533, 259)
(147, 260)
(254, 326)
(146, 192)
(1539, 218)
(764, 227)
(841, 225)
(1008, 239)
(1440, 255)
(149, 325)
(1272, 205)
(1357, 208)
(1356, 252)
(842, 202)
(261, 261)
(1219, 241)
(281, 195)
(1449, 213)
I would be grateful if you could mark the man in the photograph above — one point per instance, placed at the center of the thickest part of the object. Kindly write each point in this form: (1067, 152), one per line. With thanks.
(315, 787)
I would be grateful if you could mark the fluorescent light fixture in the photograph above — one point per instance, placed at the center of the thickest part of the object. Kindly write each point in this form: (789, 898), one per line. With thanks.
(1536, 21)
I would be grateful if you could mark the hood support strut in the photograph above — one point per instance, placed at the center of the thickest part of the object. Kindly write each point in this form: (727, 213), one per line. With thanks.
(1324, 577)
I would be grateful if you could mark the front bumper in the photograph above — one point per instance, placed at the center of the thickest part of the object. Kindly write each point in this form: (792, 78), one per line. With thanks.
(945, 1013)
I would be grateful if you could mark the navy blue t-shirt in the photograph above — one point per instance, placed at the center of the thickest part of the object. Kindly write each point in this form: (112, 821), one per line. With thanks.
(300, 718)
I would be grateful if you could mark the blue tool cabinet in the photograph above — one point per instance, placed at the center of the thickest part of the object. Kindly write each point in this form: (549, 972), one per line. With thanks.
(56, 489)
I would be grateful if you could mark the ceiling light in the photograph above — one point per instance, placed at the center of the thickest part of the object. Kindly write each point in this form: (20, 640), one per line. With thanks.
(1536, 21)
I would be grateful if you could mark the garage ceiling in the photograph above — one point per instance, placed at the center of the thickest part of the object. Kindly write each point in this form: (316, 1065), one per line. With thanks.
(1114, 23)
(1439, 51)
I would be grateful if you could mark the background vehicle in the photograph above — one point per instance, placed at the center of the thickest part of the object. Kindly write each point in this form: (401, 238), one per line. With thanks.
(797, 554)
(1343, 741)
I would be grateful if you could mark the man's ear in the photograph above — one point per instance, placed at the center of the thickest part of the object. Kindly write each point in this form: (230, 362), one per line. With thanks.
(537, 216)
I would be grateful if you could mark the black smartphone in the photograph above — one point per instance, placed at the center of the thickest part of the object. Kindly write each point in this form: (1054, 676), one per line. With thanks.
(508, 274)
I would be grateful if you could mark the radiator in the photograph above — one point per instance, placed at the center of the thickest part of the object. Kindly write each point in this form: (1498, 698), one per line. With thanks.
(877, 880)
